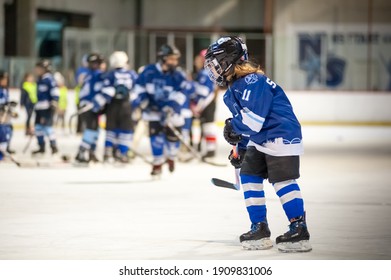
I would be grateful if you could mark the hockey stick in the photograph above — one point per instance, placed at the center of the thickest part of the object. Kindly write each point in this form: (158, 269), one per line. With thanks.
(225, 184)
(79, 112)
(18, 164)
(144, 158)
(191, 149)
(237, 170)
(28, 144)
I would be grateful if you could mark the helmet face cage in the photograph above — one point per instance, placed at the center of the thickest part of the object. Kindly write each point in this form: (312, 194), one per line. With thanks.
(222, 56)
(214, 70)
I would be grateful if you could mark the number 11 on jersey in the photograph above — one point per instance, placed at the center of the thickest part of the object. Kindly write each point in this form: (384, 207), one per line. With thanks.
(246, 95)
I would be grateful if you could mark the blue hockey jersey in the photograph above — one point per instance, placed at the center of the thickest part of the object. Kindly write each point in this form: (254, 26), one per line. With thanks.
(47, 92)
(117, 85)
(4, 96)
(204, 90)
(156, 91)
(92, 85)
(263, 114)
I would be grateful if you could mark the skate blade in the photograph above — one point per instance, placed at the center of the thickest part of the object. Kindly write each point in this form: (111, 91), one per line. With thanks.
(295, 247)
(261, 244)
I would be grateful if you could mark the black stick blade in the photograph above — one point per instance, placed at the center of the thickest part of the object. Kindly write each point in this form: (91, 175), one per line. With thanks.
(224, 184)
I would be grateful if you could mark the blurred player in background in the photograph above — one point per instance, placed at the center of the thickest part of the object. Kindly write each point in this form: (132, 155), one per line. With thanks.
(188, 90)
(159, 93)
(7, 112)
(80, 74)
(28, 98)
(269, 141)
(203, 106)
(46, 106)
(62, 100)
(90, 108)
(115, 95)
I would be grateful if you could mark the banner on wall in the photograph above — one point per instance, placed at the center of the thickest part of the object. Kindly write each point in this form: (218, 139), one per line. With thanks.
(343, 57)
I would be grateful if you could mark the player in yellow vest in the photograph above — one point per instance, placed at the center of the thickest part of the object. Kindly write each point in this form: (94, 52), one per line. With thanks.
(28, 98)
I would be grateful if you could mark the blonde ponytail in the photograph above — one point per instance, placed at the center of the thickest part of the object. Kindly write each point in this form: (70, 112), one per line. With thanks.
(246, 68)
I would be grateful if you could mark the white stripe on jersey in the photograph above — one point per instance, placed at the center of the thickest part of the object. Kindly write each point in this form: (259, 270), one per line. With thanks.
(252, 120)
(110, 91)
(100, 99)
(55, 92)
(202, 90)
(178, 97)
(42, 105)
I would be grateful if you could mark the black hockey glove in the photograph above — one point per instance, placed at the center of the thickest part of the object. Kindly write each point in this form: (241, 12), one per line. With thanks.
(237, 161)
(229, 134)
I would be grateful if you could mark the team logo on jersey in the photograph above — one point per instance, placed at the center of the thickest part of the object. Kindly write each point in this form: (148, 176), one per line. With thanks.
(251, 79)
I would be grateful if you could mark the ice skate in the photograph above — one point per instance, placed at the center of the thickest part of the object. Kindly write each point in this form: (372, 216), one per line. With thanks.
(39, 153)
(108, 155)
(156, 171)
(54, 149)
(258, 238)
(93, 157)
(171, 165)
(124, 159)
(296, 239)
(81, 158)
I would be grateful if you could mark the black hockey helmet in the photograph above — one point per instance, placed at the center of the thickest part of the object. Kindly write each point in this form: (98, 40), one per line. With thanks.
(94, 60)
(167, 50)
(45, 64)
(222, 56)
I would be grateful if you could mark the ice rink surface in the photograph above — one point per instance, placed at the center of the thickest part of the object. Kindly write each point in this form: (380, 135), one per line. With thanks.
(113, 213)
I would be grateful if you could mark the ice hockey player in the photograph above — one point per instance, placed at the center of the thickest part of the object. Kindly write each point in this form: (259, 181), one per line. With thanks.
(80, 74)
(46, 106)
(159, 93)
(90, 108)
(204, 105)
(117, 86)
(269, 141)
(7, 112)
(28, 97)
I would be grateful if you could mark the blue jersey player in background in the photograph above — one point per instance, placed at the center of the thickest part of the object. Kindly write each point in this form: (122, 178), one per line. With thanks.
(90, 108)
(45, 107)
(269, 141)
(159, 92)
(117, 86)
(7, 111)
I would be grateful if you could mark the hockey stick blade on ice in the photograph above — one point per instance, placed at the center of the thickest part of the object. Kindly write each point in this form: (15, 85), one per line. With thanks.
(191, 149)
(225, 184)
